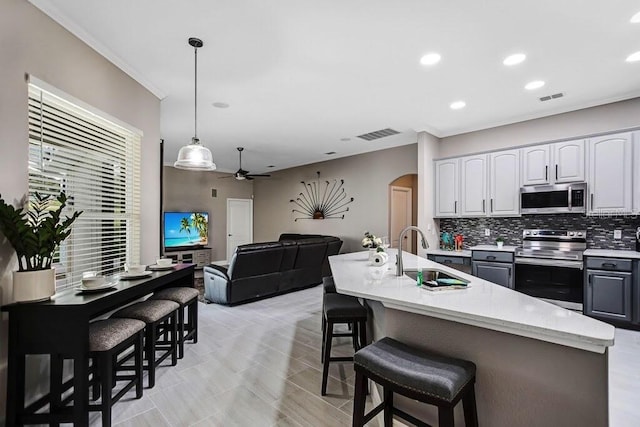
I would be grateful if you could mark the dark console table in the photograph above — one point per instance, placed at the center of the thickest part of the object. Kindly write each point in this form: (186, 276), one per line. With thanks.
(60, 328)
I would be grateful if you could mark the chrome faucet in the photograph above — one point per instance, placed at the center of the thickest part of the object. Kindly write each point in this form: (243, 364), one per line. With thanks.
(425, 245)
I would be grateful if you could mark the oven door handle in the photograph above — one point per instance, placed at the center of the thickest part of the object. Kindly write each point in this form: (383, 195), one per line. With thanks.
(550, 262)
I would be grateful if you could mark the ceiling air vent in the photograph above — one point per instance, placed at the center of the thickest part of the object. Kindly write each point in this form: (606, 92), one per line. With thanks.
(378, 134)
(550, 97)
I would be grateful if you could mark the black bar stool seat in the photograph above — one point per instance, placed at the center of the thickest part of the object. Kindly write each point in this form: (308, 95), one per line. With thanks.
(161, 318)
(429, 378)
(339, 309)
(185, 297)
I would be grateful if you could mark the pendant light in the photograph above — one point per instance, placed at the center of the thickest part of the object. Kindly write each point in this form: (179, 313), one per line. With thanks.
(195, 156)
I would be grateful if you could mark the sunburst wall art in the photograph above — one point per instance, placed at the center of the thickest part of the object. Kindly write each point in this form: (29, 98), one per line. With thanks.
(322, 200)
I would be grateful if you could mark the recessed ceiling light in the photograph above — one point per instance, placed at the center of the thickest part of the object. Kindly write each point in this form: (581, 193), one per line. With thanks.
(536, 84)
(514, 59)
(430, 59)
(634, 57)
(221, 105)
(458, 105)
(635, 19)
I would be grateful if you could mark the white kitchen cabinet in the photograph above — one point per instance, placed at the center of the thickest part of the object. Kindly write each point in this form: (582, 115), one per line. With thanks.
(636, 172)
(610, 186)
(557, 163)
(535, 164)
(568, 160)
(446, 192)
(504, 183)
(473, 186)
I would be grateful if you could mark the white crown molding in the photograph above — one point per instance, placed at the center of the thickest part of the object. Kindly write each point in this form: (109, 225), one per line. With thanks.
(48, 7)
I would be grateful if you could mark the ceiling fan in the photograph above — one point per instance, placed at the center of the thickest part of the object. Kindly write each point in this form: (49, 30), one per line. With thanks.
(242, 174)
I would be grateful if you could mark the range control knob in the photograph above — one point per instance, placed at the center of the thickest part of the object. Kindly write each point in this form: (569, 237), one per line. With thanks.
(571, 233)
(527, 233)
(580, 234)
(535, 233)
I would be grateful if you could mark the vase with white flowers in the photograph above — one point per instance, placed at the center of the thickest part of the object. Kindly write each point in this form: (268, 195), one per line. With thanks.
(373, 243)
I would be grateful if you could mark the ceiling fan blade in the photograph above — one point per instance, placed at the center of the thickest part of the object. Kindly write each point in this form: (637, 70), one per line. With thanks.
(257, 174)
(228, 176)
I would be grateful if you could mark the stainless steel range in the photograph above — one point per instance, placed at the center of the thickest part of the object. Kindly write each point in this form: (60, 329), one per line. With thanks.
(549, 265)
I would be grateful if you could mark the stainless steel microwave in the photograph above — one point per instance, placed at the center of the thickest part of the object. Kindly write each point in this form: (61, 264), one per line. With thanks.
(549, 199)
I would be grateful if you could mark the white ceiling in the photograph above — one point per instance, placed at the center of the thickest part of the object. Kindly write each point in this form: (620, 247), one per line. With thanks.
(301, 75)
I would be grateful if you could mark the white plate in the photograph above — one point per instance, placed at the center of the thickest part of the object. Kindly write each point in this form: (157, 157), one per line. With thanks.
(103, 287)
(131, 276)
(156, 267)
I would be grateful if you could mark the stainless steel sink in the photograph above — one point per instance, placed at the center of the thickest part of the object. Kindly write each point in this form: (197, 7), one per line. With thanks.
(429, 274)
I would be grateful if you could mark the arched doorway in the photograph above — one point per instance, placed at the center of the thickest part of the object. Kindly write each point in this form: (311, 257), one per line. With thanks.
(403, 209)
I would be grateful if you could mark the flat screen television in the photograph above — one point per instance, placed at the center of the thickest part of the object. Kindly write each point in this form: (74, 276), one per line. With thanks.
(186, 230)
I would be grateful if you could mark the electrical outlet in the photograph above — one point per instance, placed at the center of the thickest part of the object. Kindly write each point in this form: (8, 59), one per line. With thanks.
(487, 232)
(617, 234)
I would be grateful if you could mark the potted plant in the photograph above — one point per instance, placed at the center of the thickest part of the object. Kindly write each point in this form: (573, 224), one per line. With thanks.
(35, 235)
(499, 242)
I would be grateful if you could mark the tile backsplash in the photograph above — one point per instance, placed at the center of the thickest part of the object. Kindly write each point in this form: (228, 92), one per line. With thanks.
(599, 229)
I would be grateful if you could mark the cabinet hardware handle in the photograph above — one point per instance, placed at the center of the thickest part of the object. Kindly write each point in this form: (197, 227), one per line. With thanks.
(609, 264)
(491, 205)
(591, 201)
(483, 206)
(546, 173)
(447, 261)
(556, 172)
(491, 257)
(589, 279)
(455, 207)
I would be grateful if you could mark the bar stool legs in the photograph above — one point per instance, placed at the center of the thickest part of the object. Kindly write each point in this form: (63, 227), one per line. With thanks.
(340, 309)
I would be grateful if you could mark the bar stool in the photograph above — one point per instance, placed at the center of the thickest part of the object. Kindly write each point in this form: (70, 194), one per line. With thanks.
(328, 285)
(160, 317)
(108, 339)
(338, 309)
(434, 379)
(185, 297)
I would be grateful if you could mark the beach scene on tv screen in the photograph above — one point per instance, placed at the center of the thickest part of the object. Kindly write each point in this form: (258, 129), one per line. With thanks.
(185, 229)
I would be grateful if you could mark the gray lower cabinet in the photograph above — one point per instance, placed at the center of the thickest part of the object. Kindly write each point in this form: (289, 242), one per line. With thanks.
(494, 266)
(608, 295)
(611, 290)
(496, 272)
(457, 262)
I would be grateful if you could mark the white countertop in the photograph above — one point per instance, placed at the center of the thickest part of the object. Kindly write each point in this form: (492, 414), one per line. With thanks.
(612, 253)
(483, 304)
(504, 248)
(463, 253)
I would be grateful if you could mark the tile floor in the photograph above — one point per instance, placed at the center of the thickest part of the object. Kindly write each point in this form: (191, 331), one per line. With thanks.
(258, 364)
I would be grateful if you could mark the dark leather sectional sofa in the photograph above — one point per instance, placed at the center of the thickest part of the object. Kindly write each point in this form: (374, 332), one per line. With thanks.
(258, 270)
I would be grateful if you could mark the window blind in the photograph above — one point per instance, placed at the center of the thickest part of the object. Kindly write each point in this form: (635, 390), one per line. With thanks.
(96, 162)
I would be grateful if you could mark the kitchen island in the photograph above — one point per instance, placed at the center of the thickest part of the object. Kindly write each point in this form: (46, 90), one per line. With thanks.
(538, 364)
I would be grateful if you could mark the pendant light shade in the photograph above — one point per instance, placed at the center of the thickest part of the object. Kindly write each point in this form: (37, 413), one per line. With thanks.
(195, 156)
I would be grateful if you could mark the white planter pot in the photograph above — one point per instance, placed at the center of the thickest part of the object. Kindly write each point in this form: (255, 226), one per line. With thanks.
(31, 286)
(500, 244)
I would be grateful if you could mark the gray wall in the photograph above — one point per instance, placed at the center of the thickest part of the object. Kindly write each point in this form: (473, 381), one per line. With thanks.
(366, 179)
(187, 190)
(33, 43)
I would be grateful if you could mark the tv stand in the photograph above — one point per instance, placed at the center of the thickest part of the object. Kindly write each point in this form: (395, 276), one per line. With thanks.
(200, 256)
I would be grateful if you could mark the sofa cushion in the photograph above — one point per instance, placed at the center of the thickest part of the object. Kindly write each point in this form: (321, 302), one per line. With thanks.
(255, 259)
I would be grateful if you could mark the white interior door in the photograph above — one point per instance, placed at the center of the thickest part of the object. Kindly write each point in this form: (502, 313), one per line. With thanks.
(239, 224)
(400, 208)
